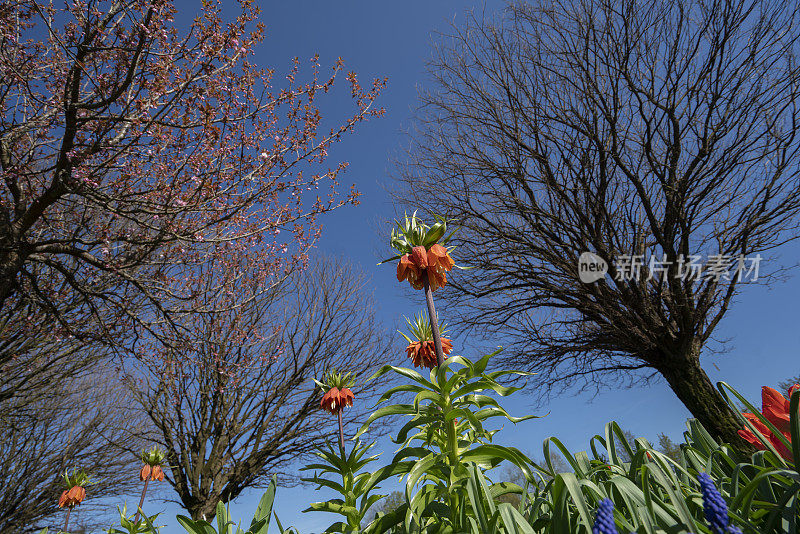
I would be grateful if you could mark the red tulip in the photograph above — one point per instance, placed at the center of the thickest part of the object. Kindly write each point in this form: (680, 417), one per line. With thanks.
(775, 409)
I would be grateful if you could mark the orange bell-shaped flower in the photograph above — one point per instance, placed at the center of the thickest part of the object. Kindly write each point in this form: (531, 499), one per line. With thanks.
(408, 270)
(157, 473)
(420, 253)
(423, 353)
(72, 496)
(421, 348)
(336, 399)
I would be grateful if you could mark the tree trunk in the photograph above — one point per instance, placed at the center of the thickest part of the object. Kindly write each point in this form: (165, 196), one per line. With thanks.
(693, 387)
(205, 510)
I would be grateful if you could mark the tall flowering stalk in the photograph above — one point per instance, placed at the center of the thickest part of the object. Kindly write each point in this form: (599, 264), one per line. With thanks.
(337, 396)
(424, 262)
(74, 494)
(151, 470)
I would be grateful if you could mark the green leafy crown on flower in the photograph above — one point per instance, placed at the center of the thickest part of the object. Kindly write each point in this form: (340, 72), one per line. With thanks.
(77, 478)
(154, 456)
(421, 328)
(334, 379)
(412, 232)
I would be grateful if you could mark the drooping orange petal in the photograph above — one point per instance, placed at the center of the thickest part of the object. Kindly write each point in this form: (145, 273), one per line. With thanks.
(403, 267)
(144, 474)
(72, 496)
(157, 473)
(329, 400)
(438, 256)
(407, 269)
(429, 358)
(346, 397)
(420, 257)
(447, 345)
(436, 277)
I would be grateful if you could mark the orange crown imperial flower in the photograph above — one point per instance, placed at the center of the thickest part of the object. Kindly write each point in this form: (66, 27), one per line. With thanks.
(421, 349)
(775, 409)
(420, 252)
(152, 464)
(75, 492)
(337, 391)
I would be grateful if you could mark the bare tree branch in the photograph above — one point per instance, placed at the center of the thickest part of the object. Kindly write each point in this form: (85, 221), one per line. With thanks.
(661, 129)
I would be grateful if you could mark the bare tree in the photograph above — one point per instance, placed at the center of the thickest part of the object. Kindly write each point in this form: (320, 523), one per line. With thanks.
(70, 415)
(237, 404)
(660, 130)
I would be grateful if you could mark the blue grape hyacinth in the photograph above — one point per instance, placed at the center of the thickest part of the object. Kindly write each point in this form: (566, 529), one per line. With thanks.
(714, 507)
(604, 520)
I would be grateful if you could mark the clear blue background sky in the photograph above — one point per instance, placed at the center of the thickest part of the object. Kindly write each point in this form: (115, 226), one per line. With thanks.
(392, 39)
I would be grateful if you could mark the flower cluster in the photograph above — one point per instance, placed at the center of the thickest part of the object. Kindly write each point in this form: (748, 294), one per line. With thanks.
(72, 496)
(337, 392)
(775, 409)
(421, 349)
(434, 261)
(422, 256)
(714, 507)
(76, 491)
(152, 470)
(604, 520)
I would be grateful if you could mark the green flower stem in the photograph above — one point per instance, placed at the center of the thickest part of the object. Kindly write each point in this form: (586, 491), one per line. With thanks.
(141, 501)
(437, 337)
(452, 443)
(452, 453)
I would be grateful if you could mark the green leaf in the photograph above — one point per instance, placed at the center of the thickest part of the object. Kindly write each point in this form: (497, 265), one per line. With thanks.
(264, 508)
(195, 527)
(513, 521)
(386, 522)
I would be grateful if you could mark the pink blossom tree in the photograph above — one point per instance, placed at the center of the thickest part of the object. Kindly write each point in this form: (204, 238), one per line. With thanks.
(134, 154)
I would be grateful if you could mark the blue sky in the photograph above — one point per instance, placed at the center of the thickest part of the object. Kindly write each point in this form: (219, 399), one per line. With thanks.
(392, 39)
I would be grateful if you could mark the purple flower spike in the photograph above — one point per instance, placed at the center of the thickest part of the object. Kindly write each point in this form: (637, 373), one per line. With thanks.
(604, 520)
(714, 507)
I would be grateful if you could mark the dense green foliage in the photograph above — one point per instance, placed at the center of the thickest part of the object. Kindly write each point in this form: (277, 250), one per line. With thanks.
(449, 478)
(450, 468)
